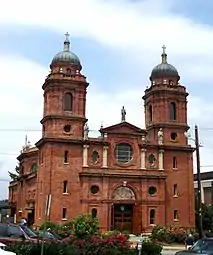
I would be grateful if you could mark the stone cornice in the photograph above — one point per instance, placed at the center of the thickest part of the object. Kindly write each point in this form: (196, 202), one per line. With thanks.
(63, 117)
(124, 174)
(136, 201)
(65, 83)
(70, 141)
(175, 125)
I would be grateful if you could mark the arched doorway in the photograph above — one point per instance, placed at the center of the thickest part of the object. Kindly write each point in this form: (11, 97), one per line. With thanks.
(122, 211)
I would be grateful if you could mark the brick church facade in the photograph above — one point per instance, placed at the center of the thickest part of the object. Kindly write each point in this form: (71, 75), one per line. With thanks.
(130, 178)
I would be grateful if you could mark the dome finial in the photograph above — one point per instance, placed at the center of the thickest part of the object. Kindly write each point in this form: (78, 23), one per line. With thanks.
(164, 55)
(67, 42)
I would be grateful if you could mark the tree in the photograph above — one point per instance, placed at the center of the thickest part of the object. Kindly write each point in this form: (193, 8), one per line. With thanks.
(207, 216)
(14, 176)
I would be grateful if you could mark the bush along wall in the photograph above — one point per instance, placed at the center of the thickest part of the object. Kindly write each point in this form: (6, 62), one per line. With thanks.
(171, 234)
(95, 245)
(83, 238)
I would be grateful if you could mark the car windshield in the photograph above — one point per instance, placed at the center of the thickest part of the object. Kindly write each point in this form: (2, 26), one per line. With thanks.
(28, 231)
(206, 245)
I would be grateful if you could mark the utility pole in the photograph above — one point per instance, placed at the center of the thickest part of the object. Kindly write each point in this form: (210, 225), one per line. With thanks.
(197, 145)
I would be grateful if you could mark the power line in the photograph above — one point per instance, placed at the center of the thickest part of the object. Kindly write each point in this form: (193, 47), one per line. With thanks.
(5, 153)
(19, 130)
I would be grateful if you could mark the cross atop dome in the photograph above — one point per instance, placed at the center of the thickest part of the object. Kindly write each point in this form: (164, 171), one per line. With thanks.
(164, 55)
(67, 42)
(67, 36)
(164, 49)
(67, 56)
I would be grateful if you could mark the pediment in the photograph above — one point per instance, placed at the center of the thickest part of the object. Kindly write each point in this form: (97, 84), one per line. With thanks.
(123, 128)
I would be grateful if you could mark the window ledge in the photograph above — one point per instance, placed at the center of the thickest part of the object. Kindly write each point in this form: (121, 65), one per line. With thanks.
(174, 141)
(64, 219)
(65, 193)
(66, 163)
(175, 220)
(175, 196)
(152, 225)
(175, 168)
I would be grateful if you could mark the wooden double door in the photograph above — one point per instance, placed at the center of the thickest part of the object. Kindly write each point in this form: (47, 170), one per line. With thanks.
(122, 217)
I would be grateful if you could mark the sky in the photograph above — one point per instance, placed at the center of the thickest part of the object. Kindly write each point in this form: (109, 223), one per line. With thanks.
(118, 42)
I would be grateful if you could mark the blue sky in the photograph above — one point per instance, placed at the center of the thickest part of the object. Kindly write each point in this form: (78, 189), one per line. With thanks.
(118, 43)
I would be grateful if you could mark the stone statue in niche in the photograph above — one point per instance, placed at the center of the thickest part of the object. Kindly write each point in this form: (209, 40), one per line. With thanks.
(123, 193)
(86, 131)
(160, 136)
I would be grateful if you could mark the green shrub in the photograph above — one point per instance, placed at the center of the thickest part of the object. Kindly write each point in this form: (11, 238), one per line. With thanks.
(85, 226)
(151, 248)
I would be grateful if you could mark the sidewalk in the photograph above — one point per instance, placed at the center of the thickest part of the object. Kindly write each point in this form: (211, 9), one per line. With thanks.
(176, 247)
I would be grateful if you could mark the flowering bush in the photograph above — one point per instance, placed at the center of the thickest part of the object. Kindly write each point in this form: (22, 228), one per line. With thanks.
(170, 234)
(95, 245)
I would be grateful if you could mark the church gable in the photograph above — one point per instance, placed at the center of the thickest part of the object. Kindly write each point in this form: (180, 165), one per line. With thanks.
(123, 127)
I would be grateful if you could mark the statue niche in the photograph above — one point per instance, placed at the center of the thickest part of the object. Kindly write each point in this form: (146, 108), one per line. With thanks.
(123, 193)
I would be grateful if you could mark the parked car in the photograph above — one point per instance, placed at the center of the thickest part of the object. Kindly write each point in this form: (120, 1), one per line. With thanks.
(48, 235)
(3, 251)
(203, 246)
(15, 233)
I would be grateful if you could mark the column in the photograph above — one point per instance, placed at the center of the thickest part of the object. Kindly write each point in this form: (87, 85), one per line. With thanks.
(85, 155)
(160, 160)
(143, 158)
(105, 157)
(202, 193)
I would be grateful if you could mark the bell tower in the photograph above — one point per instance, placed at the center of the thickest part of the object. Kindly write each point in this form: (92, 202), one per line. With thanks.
(165, 103)
(64, 96)
(60, 148)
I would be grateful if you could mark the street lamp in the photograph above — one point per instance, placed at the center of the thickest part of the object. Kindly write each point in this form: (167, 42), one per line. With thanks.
(197, 147)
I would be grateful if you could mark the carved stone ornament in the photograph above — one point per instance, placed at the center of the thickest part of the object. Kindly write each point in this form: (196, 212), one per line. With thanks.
(123, 193)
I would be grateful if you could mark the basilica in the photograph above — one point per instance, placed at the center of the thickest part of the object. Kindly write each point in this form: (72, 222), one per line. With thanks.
(129, 178)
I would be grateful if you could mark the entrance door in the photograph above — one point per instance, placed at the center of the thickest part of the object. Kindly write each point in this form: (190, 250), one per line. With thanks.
(123, 217)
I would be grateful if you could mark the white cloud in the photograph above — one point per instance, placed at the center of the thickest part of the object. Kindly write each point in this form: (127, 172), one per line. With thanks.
(137, 28)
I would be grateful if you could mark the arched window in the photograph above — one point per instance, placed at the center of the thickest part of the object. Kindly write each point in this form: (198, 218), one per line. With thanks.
(151, 159)
(68, 71)
(123, 153)
(152, 217)
(34, 167)
(95, 157)
(68, 102)
(172, 111)
(94, 213)
(150, 113)
(174, 163)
